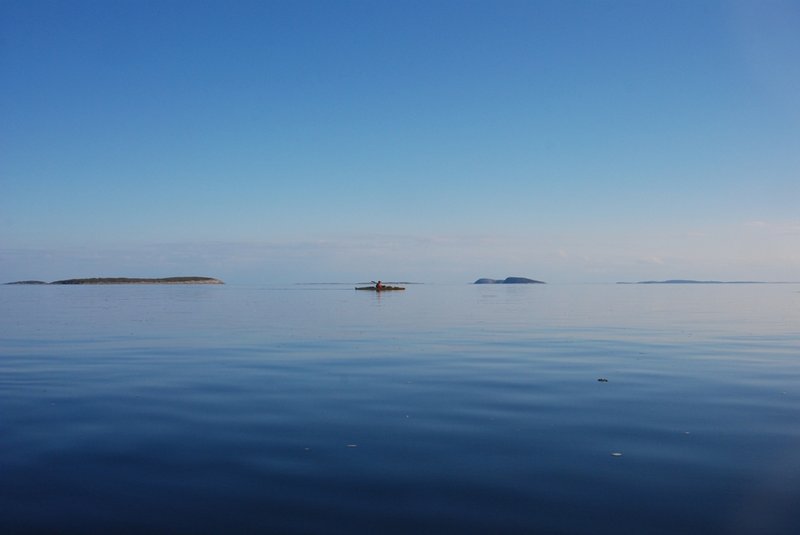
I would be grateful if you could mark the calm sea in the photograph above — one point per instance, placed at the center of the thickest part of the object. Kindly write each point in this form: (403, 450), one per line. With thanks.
(441, 409)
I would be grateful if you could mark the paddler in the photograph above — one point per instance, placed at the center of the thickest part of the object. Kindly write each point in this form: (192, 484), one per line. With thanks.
(379, 286)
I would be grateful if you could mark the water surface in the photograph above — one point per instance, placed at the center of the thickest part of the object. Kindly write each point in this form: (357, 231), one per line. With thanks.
(461, 409)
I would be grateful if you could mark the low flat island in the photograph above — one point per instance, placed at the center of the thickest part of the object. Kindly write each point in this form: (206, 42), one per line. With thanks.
(129, 280)
(690, 281)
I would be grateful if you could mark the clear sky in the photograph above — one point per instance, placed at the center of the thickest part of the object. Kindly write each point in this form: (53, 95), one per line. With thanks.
(291, 141)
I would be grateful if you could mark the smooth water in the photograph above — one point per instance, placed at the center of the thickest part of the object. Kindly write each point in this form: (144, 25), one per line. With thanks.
(441, 409)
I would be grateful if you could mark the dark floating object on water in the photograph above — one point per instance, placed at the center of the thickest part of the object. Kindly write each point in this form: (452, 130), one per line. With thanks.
(382, 288)
(602, 380)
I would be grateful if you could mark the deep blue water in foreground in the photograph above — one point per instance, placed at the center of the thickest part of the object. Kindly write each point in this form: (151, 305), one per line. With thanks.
(441, 409)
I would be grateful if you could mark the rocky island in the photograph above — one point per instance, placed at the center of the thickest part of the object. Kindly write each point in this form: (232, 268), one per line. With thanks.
(508, 280)
(128, 280)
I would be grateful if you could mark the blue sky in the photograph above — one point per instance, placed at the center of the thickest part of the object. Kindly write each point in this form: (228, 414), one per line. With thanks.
(585, 141)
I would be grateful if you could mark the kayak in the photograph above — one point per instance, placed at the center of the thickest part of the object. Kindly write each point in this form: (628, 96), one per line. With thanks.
(383, 288)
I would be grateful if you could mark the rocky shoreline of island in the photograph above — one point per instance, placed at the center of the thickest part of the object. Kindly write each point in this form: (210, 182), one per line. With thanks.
(508, 280)
(124, 280)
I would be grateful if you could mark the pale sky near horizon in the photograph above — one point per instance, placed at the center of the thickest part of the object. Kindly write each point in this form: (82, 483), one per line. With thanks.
(292, 141)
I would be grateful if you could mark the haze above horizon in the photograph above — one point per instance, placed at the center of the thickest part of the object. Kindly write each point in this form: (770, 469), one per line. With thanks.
(433, 141)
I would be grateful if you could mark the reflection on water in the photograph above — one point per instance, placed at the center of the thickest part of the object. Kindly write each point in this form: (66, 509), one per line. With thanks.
(438, 409)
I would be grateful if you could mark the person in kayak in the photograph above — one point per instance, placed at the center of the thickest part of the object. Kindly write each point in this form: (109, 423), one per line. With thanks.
(379, 285)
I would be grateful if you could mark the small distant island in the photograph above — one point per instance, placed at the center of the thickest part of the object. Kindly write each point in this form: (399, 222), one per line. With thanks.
(508, 280)
(129, 280)
(689, 281)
